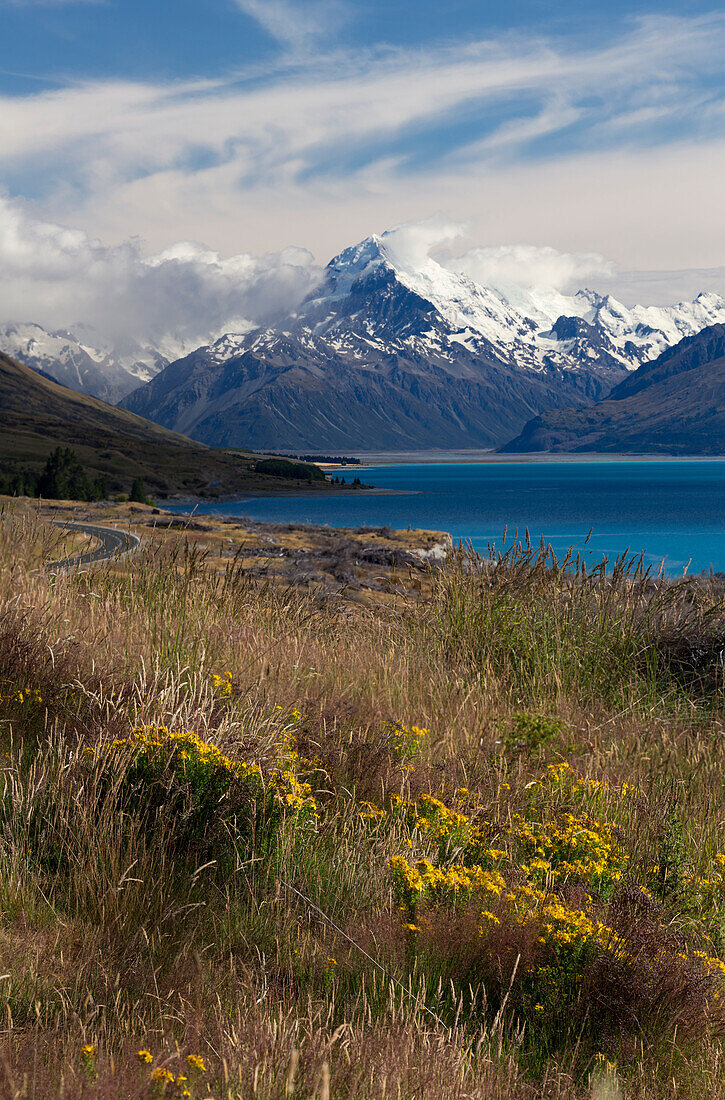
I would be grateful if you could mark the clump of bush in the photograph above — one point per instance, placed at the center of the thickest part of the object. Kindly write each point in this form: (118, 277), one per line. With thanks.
(542, 915)
(295, 471)
(210, 805)
(62, 478)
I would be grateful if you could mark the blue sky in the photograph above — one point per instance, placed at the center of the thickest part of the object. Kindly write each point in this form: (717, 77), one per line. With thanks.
(54, 41)
(255, 125)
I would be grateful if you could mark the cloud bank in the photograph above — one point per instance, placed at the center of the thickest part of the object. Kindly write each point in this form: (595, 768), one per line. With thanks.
(526, 266)
(411, 244)
(186, 293)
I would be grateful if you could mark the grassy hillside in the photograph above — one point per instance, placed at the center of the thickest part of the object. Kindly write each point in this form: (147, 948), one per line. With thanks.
(258, 843)
(37, 415)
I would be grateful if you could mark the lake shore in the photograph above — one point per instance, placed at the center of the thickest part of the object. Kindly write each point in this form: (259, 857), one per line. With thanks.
(666, 510)
(370, 459)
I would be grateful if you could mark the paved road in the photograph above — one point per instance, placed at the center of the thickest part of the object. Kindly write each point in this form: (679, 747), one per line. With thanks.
(112, 544)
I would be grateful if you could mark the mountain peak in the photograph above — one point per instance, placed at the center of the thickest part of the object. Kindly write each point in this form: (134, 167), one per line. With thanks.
(461, 303)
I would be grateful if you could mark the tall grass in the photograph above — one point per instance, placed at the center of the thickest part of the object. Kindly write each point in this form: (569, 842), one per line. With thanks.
(114, 936)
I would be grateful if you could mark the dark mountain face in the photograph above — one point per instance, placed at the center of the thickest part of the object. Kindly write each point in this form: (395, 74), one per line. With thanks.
(697, 351)
(674, 405)
(376, 358)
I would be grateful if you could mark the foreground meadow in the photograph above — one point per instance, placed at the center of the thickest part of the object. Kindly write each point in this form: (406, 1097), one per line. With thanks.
(257, 840)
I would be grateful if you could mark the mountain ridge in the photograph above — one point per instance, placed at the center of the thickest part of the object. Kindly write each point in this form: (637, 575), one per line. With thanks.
(79, 358)
(392, 350)
(377, 356)
(674, 405)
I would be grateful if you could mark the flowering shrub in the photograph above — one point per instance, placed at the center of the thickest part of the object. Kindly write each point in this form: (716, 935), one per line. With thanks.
(406, 741)
(211, 801)
(222, 683)
(88, 1061)
(576, 848)
(424, 883)
(439, 823)
(23, 696)
(535, 899)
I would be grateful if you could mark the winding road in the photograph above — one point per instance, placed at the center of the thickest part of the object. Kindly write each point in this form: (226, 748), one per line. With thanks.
(112, 544)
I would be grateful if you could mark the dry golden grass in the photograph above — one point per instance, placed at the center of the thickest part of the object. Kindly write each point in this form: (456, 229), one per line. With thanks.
(113, 935)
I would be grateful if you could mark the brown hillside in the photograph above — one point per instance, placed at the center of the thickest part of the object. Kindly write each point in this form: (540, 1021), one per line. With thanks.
(37, 415)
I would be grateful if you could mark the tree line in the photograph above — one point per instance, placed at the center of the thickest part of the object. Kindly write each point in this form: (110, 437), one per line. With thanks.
(63, 478)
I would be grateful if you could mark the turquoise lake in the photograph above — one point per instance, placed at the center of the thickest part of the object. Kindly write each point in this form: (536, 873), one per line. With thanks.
(671, 511)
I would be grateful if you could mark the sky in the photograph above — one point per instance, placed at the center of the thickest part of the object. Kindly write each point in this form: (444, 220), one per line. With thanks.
(228, 146)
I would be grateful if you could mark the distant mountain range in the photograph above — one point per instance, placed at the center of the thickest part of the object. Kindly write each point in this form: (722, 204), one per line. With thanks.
(81, 359)
(388, 353)
(674, 405)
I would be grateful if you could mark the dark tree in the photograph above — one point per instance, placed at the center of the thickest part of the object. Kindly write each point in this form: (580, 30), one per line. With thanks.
(64, 478)
(138, 491)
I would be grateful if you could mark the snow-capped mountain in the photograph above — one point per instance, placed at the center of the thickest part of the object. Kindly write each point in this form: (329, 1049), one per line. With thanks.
(674, 404)
(393, 352)
(523, 318)
(640, 333)
(81, 360)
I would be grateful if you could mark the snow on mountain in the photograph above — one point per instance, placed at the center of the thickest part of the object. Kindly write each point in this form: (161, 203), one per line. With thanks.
(389, 351)
(382, 302)
(652, 329)
(516, 321)
(635, 334)
(81, 359)
(458, 299)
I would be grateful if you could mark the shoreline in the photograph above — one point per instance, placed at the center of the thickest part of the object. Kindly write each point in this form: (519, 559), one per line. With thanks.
(257, 494)
(370, 459)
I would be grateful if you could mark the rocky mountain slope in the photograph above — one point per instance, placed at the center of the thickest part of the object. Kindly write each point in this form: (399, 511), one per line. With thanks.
(391, 353)
(674, 405)
(82, 360)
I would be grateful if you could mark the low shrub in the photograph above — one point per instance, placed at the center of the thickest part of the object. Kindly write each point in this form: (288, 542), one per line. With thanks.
(211, 805)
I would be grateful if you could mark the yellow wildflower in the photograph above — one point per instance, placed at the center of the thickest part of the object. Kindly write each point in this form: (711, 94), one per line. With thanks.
(223, 683)
(162, 1076)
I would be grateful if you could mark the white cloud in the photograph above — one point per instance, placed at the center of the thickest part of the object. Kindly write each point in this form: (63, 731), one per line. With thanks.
(316, 154)
(295, 127)
(662, 288)
(186, 294)
(409, 245)
(535, 279)
(58, 277)
(296, 24)
(526, 266)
